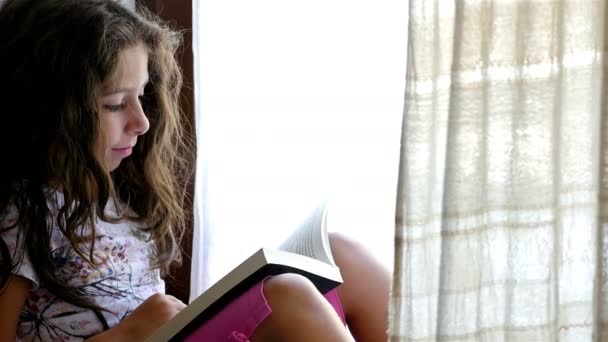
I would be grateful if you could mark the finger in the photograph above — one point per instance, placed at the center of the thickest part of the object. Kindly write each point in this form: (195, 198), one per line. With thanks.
(173, 299)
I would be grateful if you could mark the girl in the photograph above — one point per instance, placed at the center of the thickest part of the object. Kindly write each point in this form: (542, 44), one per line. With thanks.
(91, 191)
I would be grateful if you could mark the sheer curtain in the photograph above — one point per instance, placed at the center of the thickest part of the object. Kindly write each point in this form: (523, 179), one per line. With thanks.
(502, 209)
(296, 103)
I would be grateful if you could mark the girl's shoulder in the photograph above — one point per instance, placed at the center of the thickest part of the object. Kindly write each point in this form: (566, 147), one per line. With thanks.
(54, 200)
(10, 232)
(8, 217)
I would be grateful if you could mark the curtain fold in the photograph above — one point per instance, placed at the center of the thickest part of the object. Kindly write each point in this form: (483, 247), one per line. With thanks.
(501, 221)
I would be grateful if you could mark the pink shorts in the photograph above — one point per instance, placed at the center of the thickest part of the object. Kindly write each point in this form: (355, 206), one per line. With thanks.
(237, 321)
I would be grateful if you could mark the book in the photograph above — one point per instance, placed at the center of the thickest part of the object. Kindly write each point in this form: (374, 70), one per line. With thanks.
(306, 251)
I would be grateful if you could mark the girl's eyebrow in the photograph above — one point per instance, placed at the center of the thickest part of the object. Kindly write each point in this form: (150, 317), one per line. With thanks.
(126, 89)
(117, 91)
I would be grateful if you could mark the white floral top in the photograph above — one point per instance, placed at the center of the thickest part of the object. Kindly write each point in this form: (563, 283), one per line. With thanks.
(119, 284)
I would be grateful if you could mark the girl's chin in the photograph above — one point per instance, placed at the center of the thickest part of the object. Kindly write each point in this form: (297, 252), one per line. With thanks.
(113, 165)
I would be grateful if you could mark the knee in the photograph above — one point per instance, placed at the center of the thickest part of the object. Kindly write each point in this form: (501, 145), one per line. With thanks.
(299, 312)
(295, 301)
(288, 289)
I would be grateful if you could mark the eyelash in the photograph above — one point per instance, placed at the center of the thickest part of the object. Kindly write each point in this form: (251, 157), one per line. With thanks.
(118, 107)
(114, 108)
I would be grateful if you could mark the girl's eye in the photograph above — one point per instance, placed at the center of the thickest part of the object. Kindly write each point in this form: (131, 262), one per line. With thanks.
(114, 108)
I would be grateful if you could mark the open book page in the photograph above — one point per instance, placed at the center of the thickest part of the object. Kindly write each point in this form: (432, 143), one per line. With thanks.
(310, 238)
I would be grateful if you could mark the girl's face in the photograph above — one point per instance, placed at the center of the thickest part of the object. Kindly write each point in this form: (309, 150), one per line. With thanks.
(121, 117)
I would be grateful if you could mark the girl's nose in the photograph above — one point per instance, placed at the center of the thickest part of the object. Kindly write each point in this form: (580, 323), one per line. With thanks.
(139, 121)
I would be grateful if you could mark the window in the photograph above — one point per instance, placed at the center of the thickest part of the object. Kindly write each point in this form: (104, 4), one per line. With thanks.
(297, 102)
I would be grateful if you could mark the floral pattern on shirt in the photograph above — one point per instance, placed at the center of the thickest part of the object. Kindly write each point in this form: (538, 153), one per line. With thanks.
(121, 280)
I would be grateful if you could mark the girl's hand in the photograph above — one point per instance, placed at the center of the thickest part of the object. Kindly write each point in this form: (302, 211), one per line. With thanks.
(149, 316)
(141, 323)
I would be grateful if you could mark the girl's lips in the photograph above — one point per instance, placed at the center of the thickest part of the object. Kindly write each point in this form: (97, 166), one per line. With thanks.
(123, 152)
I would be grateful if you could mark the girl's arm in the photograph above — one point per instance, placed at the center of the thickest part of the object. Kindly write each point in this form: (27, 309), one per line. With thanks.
(141, 323)
(365, 291)
(12, 299)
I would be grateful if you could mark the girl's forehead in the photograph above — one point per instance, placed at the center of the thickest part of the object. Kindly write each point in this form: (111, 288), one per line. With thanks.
(131, 70)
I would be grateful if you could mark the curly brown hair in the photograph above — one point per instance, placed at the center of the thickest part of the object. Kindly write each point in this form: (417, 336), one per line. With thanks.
(54, 57)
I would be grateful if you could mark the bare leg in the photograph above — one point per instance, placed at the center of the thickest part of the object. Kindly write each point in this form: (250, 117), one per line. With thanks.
(365, 291)
(299, 313)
